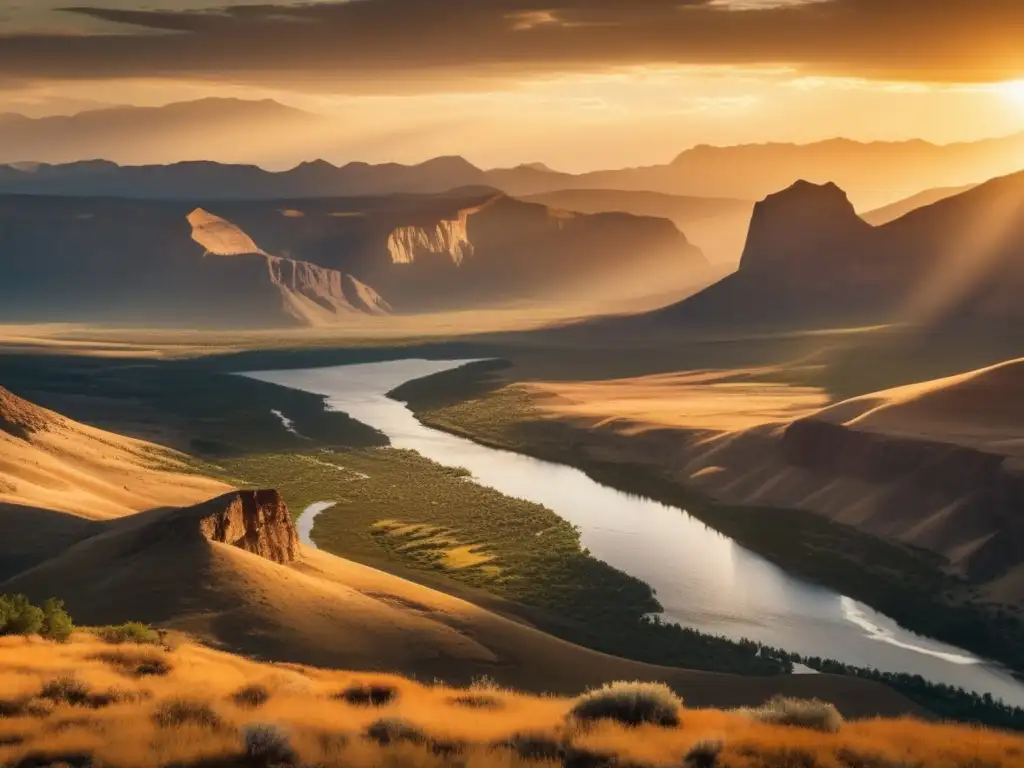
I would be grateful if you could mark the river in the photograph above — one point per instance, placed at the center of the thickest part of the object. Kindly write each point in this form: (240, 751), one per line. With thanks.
(702, 579)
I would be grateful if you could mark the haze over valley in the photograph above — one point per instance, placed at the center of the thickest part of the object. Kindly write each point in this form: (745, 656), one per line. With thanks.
(447, 384)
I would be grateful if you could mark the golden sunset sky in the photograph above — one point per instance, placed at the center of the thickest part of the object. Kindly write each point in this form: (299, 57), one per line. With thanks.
(577, 84)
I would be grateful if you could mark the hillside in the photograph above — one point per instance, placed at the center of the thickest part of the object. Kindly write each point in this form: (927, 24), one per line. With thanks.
(809, 259)
(322, 261)
(901, 208)
(230, 571)
(59, 477)
(935, 464)
(188, 705)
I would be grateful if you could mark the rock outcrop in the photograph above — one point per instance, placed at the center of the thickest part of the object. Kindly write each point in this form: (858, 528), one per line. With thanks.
(310, 294)
(446, 238)
(809, 259)
(220, 237)
(797, 229)
(256, 521)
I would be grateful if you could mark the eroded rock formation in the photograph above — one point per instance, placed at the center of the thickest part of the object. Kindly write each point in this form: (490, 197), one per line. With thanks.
(256, 521)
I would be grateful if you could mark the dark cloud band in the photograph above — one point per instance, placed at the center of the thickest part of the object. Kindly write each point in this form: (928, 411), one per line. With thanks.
(360, 45)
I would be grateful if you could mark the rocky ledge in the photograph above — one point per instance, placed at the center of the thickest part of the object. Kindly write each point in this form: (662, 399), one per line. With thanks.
(256, 521)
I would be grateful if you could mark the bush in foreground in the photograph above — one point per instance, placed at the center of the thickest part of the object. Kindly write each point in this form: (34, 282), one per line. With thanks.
(136, 663)
(131, 632)
(18, 616)
(799, 713)
(178, 712)
(251, 696)
(267, 745)
(376, 695)
(630, 704)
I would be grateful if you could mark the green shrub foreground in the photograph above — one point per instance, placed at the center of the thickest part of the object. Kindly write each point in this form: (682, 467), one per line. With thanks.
(18, 616)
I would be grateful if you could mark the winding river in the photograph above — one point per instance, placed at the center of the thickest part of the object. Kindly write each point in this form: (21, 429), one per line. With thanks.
(702, 579)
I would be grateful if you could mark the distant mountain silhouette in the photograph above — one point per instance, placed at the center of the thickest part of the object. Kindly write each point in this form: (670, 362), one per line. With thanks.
(319, 260)
(809, 259)
(208, 128)
(208, 180)
(873, 173)
(235, 133)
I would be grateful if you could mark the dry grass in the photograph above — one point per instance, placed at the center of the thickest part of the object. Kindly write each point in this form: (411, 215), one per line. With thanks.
(630, 704)
(190, 717)
(798, 713)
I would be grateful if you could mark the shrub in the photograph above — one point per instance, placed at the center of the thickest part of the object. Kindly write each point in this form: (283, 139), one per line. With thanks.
(630, 704)
(393, 730)
(66, 690)
(368, 695)
(25, 707)
(131, 632)
(135, 663)
(71, 692)
(703, 754)
(251, 696)
(179, 712)
(18, 616)
(57, 624)
(576, 757)
(267, 745)
(533, 746)
(799, 713)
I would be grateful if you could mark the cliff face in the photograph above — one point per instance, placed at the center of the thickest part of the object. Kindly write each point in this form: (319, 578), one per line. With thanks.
(797, 229)
(320, 261)
(447, 238)
(256, 521)
(310, 294)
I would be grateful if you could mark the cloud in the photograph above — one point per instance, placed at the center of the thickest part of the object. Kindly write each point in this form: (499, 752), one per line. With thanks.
(361, 46)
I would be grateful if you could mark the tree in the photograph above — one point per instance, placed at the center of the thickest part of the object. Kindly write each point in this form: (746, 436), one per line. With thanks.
(18, 616)
(57, 624)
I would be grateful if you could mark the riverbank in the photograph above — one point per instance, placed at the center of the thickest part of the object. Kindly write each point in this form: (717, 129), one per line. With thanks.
(904, 583)
(400, 512)
(253, 447)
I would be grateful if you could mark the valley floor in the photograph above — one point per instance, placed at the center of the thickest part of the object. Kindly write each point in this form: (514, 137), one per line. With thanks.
(438, 536)
(670, 455)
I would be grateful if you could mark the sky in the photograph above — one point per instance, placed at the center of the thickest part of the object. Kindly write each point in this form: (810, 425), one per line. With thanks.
(577, 84)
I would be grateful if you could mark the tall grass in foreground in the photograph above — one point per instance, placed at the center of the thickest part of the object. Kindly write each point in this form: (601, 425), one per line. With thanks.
(80, 703)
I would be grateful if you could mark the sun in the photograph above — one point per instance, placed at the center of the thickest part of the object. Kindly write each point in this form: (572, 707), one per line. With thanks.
(1014, 91)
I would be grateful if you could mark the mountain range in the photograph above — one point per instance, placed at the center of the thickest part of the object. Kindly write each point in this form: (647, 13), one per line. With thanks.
(314, 262)
(874, 174)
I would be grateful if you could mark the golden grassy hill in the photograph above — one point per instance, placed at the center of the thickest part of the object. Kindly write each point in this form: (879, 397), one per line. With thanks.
(51, 462)
(58, 478)
(159, 567)
(231, 572)
(88, 702)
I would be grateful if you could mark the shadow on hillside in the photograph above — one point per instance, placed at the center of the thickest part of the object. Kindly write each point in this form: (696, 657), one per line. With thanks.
(32, 535)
